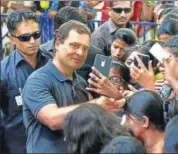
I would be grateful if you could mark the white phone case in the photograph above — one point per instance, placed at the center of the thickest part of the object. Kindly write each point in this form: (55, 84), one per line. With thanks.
(158, 52)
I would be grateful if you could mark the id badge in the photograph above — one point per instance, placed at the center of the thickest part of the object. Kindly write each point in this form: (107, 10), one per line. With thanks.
(19, 100)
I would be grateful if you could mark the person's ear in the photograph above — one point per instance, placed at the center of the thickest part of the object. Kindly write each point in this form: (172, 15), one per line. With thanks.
(13, 40)
(109, 11)
(56, 45)
(146, 122)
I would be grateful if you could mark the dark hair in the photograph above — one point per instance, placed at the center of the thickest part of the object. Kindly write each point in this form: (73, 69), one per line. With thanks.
(168, 5)
(164, 12)
(124, 144)
(171, 16)
(64, 29)
(15, 18)
(89, 128)
(126, 35)
(68, 13)
(122, 69)
(173, 50)
(111, 3)
(172, 42)
(146, 103)
(148, 44)
(171, 139)
(169, 26)
(129, 50)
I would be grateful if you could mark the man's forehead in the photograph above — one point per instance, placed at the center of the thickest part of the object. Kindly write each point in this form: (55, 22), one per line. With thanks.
(121, 3)
(75, 36)
(27, 27)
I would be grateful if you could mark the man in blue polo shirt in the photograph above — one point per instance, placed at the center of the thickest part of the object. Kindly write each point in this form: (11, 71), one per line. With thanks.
(51, 92)
(23, 26)
(63, 15)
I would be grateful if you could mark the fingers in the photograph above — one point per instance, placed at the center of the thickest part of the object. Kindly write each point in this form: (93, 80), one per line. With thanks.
(127, 93)
(136, 72)
(120, 102)
(94, 84)
(95, 71)
(111, 104)
(132, 88)
(93, 77)
(141, 64)
(106, 102)
(93, 90)
(150, 67)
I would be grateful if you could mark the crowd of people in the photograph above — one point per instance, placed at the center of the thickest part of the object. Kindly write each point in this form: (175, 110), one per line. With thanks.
(53, 99)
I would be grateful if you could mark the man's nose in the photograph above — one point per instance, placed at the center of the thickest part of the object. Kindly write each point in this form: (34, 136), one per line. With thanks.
(118, 51)
(80, 51)
(32, 40)
(123, 13)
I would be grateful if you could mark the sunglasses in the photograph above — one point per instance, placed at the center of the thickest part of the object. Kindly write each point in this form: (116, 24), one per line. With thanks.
(27, 37)
(166, 2)
(119, 10)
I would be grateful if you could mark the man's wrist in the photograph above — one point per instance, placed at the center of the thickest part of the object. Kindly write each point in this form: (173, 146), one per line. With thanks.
(94, 101)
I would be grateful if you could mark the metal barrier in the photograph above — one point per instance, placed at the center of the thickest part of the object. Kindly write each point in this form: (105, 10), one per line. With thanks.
(47, 26)
(144, 24)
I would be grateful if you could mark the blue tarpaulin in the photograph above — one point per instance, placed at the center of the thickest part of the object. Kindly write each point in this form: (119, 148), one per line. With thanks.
(47, 28)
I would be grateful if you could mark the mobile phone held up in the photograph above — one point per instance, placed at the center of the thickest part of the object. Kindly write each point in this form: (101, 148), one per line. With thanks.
(144, 58)
(102, 64)
(158, 52)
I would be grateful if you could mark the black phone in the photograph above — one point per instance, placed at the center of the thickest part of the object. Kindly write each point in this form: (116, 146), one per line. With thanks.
(145, 59)
(102, 63)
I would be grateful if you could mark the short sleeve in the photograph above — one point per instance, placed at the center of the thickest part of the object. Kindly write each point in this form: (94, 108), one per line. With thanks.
(37, 94)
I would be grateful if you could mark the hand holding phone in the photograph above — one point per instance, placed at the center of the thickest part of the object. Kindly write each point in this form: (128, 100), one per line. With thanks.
(102, 64)
(144, 58)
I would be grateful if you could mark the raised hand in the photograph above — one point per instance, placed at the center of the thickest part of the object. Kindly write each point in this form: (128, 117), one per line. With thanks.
(102, 85)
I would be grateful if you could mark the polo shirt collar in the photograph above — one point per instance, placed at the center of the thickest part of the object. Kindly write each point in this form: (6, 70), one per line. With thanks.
(19, 57)
(112, 27)
(60, 76)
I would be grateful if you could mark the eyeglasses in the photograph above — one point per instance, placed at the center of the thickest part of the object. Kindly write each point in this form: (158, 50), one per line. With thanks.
(116, 79)
(27, 37)
(119, 10)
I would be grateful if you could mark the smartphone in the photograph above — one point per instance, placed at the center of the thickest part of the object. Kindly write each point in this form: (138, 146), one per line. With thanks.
(144, 58)
(102, 63)
(158, 52)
